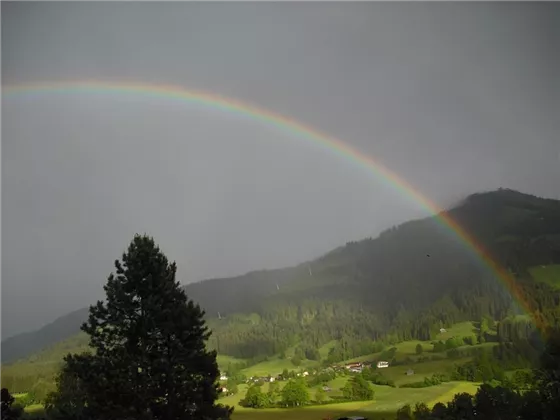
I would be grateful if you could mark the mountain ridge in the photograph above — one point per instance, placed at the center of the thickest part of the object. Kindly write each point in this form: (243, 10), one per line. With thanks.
(519, 230)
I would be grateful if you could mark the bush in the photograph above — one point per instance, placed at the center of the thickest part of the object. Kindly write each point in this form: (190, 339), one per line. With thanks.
(439, 346)
(453, 343)
(312, 354)
(357, 389)
(255, 398)
(24, 400)
(377, 378)
(321, 378)
(470, 340)
(435, 379)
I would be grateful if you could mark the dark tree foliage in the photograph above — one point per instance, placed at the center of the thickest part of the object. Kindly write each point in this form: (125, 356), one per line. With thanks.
(357, 389)
(150, 359)
(548, 376)
(295, 393)
(68, 402)
(255, 398)
(7, 410)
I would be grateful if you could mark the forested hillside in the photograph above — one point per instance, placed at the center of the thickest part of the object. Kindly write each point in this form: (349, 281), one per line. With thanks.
(404, 284)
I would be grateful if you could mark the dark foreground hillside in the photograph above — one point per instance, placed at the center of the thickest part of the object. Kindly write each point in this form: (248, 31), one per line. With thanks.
(404, 284)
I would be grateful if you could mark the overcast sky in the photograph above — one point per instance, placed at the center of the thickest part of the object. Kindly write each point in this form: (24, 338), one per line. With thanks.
(454, 97)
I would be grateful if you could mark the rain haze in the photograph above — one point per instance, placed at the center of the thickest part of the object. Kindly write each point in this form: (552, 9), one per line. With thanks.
(455, 98)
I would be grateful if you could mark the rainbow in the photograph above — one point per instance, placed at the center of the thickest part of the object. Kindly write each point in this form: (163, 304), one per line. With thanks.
(293, 127)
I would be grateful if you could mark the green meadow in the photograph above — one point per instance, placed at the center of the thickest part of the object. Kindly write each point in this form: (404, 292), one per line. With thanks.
(385, 404)
(549, 274)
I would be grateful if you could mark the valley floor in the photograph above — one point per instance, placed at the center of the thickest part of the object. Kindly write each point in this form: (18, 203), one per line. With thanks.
(387, 401)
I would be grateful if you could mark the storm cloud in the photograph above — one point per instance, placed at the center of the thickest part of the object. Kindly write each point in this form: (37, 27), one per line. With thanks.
(454, 97)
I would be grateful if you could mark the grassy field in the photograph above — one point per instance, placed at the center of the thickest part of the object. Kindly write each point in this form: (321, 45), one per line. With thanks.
(421, 370)
(461, 329)
(385, 404)
(275, 366)
(407, 349)
(224, 360)
(549, 274)
(387, 399)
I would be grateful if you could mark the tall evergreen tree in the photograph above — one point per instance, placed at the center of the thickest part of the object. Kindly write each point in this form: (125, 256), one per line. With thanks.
(150, 359)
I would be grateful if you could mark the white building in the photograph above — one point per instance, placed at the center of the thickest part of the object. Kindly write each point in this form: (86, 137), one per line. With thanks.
(382, 365)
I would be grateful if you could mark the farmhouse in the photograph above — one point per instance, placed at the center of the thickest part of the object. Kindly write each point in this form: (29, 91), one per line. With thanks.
(353, 366)
(382, 364)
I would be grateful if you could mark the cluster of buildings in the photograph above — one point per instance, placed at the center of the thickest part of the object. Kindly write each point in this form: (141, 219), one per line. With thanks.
(357, 367)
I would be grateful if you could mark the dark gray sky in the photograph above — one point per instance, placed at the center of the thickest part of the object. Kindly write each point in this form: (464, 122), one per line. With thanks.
(455, 97)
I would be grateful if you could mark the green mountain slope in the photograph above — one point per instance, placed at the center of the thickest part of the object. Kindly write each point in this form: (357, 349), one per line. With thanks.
(404, 284)
(22, 345)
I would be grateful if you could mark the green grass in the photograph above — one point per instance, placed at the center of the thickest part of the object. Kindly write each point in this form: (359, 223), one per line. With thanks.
(407, 349)
(275, 366)
(385, 404)
(387, 401)
(224, 360)
(461, 329)
(324, 349)
(421, 370)
(308, 413)
(458, 388)
(549, 274)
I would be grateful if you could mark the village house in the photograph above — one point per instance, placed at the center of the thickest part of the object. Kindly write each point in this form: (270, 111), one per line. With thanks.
(353, 366)
(382, 364)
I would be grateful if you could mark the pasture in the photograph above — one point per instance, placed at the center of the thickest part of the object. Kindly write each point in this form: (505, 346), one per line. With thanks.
(549, 274)
(385, 404)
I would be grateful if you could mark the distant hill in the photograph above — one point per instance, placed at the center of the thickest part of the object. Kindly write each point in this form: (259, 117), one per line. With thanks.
(403, 284)
(22, 345)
